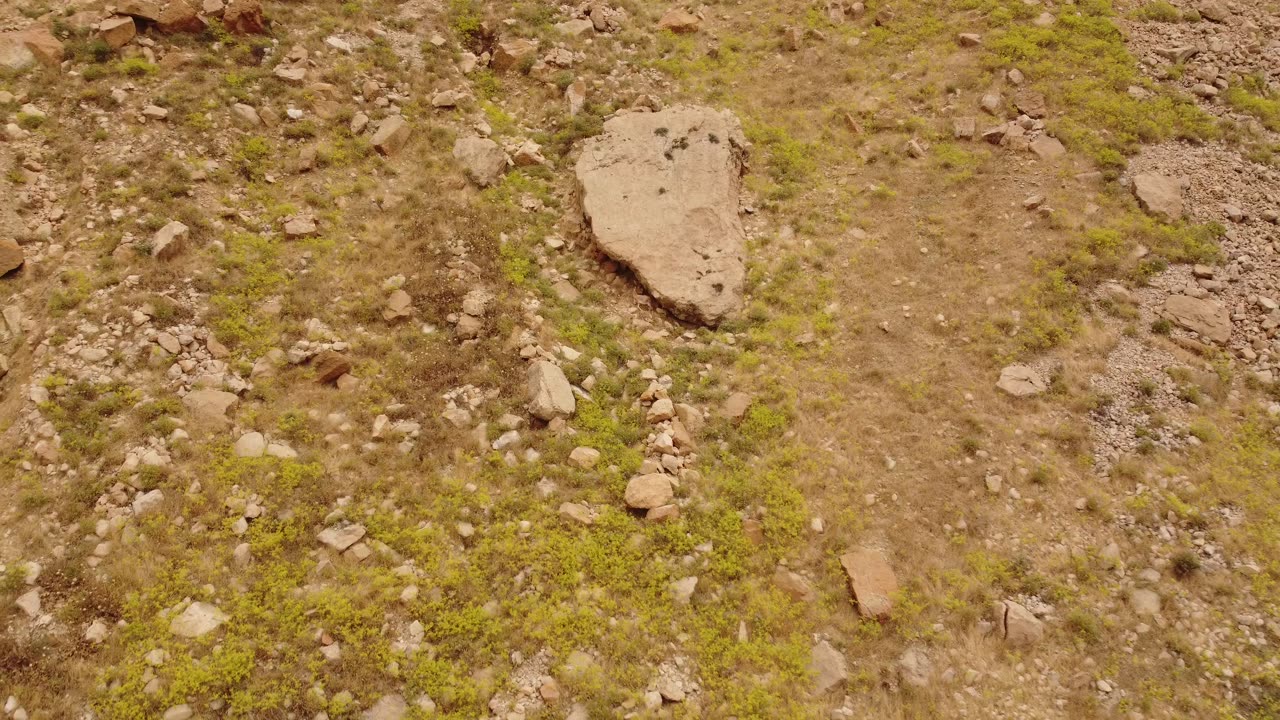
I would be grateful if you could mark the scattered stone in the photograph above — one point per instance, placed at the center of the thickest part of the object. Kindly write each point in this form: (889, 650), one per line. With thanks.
(169, 241)
(200, 618)
(512, 54)
(331, 365)
(682, 589)
(576, 512)
(679, 21)
(1021, 381)
(550, 395)
(872, 582)
(179, 712)
(645, 492)
(1159, 195)
(482, 160)
(250, 444)
(914, 667)
(391, 135)
(1206, 317)
(969, 39)
(300, 226)
(828, 668)
(660, 193)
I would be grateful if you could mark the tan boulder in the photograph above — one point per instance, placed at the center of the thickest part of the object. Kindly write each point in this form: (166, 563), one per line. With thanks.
(117, 31)
(180, 16)
(391, 135)
(1159, 195)
(872, 582)
(1208, 318)
(511, 54)
(210, 406)
(244, 17)
(646, 492)
(482, 160)
(679, 21)
(11, 256)
(330, 366)
(659, 192)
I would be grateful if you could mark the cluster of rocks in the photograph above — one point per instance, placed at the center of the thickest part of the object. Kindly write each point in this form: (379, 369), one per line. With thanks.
(1023, 121)
(177, 16)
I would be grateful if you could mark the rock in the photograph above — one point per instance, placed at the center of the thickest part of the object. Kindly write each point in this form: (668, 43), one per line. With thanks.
(244, 17)
(482, 160)
(512, 53)
(291, 75)
(117, 31)
(793, 585)
(11, 255)
(872, 582)
(1213, 11)
(1159, 195)
(96, 633)
(146, 502)
(1047, 148)
(250, 445)
(828, 668)
(660, 194)
(43, 46)
(29, 603)
(179, 16)
(736, 406)
(178, 712)
(14, 54)
(576, 512)
(584, 457)
(246, 114)
(210, 406)
(300, 226)
(1017, 625)
(391, 135)
(1021, 381)
(576, 96)
(661, 410)
(1030, 103)
(1208, 318)
(645, 492)
(969, 39)
(679, 21)
(1144, 602)
(198, 619)
(550, 395)
(148, 10)
(964, 128)
(914, 667)
(169, 241)
(682, 589)
(388, 707)
(330, 365)
(341, 537)
(399, 305)
(528, 154)
(663, 513)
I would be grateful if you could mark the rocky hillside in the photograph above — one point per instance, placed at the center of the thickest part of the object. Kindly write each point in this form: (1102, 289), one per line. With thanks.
(777, 359)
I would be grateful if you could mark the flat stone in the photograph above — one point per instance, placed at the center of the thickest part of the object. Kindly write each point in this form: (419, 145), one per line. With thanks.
(198, 619)
(659, 191)
(210, 406)
(391, 135)
(872, 582)
(550, 395)
(1159, 195)
(584, 457)
(29, 603)
(828, 667)
(1047, 148)
(645, 492)
(341, 537)
(1206, 317)
(793, 585)
(1144, 602)
(1021, 381)
(1018, 626)
(482, 159)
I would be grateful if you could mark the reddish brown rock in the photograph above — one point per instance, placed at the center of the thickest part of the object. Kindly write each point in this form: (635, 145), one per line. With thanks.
(330, 366)
(244, 17)
(872, 581)
(179, 16)
(11, 257)
(46, 48)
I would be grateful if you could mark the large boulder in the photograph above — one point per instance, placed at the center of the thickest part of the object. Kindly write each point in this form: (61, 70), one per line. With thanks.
(1208, 318)
(14, 54)
(1021, 381)
(659, 192)
(20, 50)
(11, 256)
(1159, 195)
(550, 395)
(872, 581)
(482, 159)
(210, 406)
(117, 31)
(244, 17)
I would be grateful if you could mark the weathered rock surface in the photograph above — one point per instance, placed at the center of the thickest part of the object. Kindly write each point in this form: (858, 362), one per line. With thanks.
(645, 492)
(1159, 195)
(1021, 381)
(550, 395)
(872, 581)
(482, 159)
(11, 256)
(198, 619)
(1017, 625)
(210, 406)
(828, 667)
(660, 194)
(1208, 318)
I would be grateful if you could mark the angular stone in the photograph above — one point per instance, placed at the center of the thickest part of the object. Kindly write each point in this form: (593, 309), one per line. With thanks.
(14, 54)
(1030, 103)
(117, 31)
(510, 54)
(198, 619)
(244, 17)
(550, 395)
(584, 457)
(399, 305)
(29, 603)
(388, 707)
(1159, 195)
(1018, 626)
(391, 135)
(1208, 318)
(645, 492)
(872, 582)
(679, 21)
(179, 16)
(341, 537)
(210, 406)
(1021, 381)
(1048, 148)
(660, 193)
(793, 585)
(482, 159)
(828, 668)
(330, 366)
(169, 240)
(41, 43)
(576, 512)
(11, 255)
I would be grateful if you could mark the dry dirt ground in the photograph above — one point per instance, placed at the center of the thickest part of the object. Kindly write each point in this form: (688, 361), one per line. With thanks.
(410, 542)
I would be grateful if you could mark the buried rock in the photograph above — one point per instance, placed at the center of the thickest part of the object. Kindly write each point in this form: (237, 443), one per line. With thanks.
(659, 192)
